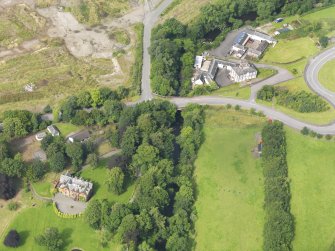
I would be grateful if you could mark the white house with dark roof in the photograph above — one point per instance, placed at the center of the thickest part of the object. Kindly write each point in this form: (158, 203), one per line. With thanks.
(53, 130)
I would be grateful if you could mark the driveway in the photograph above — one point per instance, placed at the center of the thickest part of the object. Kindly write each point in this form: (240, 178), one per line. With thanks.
(68, 205)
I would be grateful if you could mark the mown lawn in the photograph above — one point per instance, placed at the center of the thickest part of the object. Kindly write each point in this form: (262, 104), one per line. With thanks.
(67, 128)
(229, 182)
(288, 51)
(311, 171)
(76, 232)
(233, 91)
(327, 75)
(98, 177)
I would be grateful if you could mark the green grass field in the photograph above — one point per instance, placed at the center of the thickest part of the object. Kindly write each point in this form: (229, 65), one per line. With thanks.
(230, 183)
(289, 51)
(327, 75)
(312, 175)
(76, 232)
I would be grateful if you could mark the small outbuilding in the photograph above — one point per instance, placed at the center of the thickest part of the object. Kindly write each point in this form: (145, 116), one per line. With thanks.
(53, 130)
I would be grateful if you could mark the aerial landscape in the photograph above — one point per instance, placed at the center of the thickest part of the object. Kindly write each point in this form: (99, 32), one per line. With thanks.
(167, 125)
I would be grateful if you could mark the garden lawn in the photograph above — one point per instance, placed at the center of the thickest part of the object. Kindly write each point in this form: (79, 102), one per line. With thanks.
(67, 128)
(44, 186)
(327, 75)
(229, 182)
(312, 180)
(289, 51)
(98, 177)
(76, 232)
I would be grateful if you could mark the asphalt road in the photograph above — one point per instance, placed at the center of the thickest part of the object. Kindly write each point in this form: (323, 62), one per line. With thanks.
(312, 72)
(311, 77)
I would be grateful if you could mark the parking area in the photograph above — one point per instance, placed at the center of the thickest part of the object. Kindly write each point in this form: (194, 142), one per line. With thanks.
(68, 205)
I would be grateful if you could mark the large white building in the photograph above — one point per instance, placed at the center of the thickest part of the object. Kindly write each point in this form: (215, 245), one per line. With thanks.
(237, 72)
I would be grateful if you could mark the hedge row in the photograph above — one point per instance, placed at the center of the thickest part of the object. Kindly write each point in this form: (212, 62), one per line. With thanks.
(136, 70)
(65, 215)
(279, 223)
(300, 101)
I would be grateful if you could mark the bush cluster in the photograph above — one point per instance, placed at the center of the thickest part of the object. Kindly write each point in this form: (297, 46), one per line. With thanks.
(279, 223)
(300, 101)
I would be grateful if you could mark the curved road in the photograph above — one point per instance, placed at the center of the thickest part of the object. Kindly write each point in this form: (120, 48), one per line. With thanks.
(311, 77)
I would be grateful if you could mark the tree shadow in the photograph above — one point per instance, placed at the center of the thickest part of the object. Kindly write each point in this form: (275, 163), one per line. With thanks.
(23, 237)
(66, 236)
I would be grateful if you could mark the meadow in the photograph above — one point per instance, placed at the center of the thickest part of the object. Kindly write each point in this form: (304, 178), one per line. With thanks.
(290, 51)
(229, 183)
(312, 181)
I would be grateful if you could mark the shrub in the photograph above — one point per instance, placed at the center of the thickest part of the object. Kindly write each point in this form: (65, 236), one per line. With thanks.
(312, 134)
(47, 109)
(228, 106)
(329, 137)
(305, 131)
(319, 136)
(300, 101)
(12, 206)
(237, 107)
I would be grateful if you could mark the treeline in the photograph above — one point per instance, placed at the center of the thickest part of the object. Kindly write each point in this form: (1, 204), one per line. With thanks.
(98, 106)
(279, 222)
(136, 70)
(160, 214)
(19, 123)
(300, 101)
(174, 44)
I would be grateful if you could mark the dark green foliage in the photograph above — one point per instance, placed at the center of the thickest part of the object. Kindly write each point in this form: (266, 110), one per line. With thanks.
(12, 239)
(13, 167)
(75, 152)
(47, 109)
(159, 213)
(115, 180)
(51, 239)
(93, 214)
(300, 101)
(329, 137)
(324, 41)
(305, 131)
(279, 226)
(18, 123)
(36, 171)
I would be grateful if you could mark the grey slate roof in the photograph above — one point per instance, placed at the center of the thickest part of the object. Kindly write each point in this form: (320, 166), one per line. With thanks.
(80, 136)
